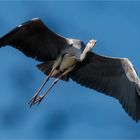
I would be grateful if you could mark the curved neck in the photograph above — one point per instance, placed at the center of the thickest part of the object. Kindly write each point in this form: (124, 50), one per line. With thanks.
(88, 48)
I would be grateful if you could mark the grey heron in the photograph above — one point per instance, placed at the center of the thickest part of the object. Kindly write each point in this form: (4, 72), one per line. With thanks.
(65, 58)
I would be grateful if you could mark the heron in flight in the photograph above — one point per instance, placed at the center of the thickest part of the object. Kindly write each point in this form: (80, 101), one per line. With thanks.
(65, 58)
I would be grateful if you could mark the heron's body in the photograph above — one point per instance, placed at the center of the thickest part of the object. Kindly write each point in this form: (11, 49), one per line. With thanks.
(63, 63)
(65, 58)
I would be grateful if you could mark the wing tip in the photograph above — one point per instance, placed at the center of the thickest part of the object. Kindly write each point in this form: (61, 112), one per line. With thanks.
(2, 42)
(5, 38)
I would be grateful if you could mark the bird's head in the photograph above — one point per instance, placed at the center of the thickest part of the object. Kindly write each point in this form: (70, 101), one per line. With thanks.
(88, 48)
(90, 44)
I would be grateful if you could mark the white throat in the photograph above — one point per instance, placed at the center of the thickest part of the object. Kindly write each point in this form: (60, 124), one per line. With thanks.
(88, 48)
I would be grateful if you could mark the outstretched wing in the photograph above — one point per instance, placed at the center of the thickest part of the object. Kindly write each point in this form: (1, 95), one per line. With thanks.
(35, 40)
(112, 76)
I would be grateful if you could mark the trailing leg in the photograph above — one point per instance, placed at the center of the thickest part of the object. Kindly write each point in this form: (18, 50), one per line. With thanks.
(39, 99)
(32, 101)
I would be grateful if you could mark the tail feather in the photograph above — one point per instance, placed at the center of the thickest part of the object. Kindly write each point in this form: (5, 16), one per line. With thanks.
(46, 67)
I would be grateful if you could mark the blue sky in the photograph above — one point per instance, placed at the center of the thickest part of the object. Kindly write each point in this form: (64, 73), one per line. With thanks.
(69, 110)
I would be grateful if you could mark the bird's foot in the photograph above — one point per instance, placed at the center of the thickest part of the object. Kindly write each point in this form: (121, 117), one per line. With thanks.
(35, 100)
(39, 99)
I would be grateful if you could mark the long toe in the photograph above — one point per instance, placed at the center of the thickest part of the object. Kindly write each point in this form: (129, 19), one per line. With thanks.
(32, 101)
(38, 100)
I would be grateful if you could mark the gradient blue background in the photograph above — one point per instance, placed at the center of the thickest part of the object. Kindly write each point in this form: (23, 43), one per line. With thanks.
(69, 111)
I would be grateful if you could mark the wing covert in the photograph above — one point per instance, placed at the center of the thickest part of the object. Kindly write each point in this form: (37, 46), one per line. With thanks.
(35, 40)
(115, 77)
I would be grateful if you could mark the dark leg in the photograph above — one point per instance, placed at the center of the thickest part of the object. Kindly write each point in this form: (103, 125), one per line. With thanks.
(32, 101)
(52, 73)
(39, 99)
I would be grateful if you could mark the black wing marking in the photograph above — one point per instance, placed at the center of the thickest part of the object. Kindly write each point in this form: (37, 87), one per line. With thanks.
(114, 77)
(35, 40)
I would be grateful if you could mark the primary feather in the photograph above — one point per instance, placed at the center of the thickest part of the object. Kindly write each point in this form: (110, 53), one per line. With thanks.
(115, 77)
(35, 40)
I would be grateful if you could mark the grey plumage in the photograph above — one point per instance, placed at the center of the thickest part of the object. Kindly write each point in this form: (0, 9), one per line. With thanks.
(114, 77)
(71, 58)
(33, 39)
